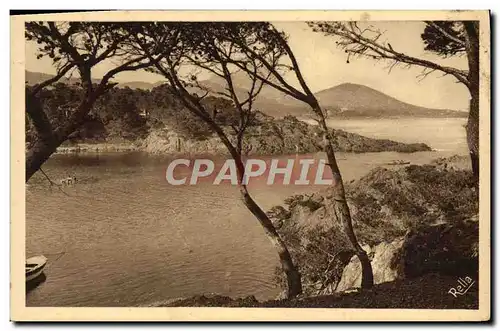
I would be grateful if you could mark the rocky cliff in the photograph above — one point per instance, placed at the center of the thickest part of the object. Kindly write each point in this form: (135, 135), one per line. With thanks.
(275, 136)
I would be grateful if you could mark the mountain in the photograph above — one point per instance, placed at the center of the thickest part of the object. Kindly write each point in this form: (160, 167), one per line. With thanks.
(33, 78)
(354, 100)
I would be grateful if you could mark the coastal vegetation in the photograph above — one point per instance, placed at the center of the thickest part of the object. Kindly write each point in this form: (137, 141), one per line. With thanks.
(388, 206)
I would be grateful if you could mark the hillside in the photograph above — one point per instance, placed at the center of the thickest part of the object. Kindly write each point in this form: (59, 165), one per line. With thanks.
(353, 100)
(33, 78)
(418, 224)
(140, 85)
(271, 136)
(274, 137)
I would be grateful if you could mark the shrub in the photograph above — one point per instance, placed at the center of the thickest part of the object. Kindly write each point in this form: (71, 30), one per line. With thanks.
(303, 200)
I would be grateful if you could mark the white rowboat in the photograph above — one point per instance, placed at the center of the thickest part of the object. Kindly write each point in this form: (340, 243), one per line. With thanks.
(34, 266)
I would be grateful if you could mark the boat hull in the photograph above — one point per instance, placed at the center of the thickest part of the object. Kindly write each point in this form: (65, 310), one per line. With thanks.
(34, 275)
(34, 267)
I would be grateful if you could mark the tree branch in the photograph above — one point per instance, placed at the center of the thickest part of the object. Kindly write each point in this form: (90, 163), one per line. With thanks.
(354, 42)
(38, 87)
(446, 34)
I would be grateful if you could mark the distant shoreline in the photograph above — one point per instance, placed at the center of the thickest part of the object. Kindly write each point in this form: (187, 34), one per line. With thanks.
(309, 120)
(288, 135)
(86, 148)
(98, 148)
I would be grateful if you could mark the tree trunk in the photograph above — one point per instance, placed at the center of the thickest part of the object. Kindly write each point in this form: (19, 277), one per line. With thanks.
(294, 283)
(39, 152)
(291, 271)
(341, 209)
(293, 277)
(48, 138)
(472, 129)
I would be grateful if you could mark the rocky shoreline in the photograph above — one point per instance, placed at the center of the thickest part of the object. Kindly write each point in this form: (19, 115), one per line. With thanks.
(97, 148)
(272, 137)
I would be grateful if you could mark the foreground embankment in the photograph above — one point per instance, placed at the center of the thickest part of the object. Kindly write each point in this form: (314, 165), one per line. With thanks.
(426, 292)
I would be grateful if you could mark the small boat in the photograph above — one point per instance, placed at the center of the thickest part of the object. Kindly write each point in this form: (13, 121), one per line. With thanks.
(399, 162)
(34, 266)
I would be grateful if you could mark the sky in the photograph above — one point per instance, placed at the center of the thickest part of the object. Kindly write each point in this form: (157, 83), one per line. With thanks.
(324, 65)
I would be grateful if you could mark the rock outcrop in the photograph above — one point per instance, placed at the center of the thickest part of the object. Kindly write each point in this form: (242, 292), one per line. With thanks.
(412, 221)
(275, 136)
(382, 258)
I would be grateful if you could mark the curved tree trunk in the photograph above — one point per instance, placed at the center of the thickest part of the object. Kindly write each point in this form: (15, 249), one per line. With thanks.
(36, 156)
(291, 271)
(46, 142)
(341, 209)
(472, 129)
(49, 138)
(294, 283)
(293, 277)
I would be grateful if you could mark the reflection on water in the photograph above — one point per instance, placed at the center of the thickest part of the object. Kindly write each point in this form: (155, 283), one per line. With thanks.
(34, 283)
(123, 237)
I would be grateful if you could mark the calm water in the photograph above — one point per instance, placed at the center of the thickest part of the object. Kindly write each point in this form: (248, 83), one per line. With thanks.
(123, 237)
(444, 134)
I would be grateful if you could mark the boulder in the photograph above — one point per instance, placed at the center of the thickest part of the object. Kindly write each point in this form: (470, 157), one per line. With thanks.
(446, 249)
(382, 257)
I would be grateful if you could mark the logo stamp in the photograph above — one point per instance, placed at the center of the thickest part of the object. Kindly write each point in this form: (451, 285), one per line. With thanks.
(464, 284)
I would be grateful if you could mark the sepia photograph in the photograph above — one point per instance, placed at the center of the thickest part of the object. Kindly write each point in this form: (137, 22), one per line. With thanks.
(328, 165)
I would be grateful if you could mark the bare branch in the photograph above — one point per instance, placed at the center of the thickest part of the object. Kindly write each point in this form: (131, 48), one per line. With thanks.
(426, 72)
(52, 183)
(37, 88)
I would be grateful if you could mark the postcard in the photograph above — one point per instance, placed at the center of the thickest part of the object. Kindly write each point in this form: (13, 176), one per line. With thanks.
(250, 166)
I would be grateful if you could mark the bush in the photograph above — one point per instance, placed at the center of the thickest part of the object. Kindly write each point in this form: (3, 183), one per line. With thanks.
(319, 253)
(303, 200)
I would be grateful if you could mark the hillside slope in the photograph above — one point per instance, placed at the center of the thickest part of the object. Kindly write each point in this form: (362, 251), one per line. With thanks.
(348, 100)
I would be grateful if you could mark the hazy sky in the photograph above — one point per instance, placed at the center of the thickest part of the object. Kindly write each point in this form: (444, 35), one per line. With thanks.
(324, 65)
